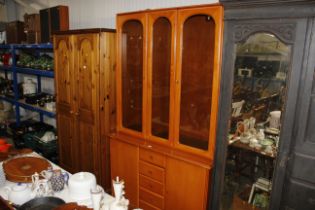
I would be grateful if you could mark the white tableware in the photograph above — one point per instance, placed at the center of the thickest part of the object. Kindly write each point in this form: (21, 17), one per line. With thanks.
(260, 135)
(2, 176)
(258, 146)
(80, 185)
(29, 87)
(47, 173)
(266, 142)
(97, 195)
(275, 119)
(253, 142)
(18, 194)
(244, 138)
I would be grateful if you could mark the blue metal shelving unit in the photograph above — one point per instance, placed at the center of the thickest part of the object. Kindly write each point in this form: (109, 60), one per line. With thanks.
(18, 70)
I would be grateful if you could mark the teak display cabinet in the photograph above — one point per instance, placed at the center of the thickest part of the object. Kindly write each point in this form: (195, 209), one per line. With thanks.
(168, 73)
(84, 65)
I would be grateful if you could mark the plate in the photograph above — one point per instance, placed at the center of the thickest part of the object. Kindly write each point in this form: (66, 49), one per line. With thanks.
(266, 142)
(272, 131)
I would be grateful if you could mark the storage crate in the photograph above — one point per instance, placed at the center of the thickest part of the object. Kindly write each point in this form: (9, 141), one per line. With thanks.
(47, 149)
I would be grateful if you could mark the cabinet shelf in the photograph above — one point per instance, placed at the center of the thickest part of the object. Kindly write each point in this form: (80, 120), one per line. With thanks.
(4, 98)
(5, 46)
(44, 73)
(5, 68)
(36, 108)
(33, 46)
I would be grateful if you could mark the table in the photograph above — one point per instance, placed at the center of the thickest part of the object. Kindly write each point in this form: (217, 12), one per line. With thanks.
(246, 156)
(64, 194)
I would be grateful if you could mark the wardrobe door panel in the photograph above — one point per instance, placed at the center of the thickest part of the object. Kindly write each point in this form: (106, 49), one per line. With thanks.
(87, 98)
(64, 78)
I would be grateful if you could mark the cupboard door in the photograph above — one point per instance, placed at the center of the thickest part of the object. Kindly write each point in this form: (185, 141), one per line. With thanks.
(107, 101)
(86, 67)
(124, 159)
(63, 59)
(161, 52)
(186, 185)
(197, 79)
(131, 32)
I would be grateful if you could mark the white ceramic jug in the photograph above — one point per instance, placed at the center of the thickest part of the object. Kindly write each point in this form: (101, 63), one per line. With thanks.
(275, 119)
(29, 87)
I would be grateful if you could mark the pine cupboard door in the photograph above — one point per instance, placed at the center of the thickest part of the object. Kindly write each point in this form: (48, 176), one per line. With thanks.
(186, 185)
(107, 101)
(86, 85)
(64, 82)
(131, 74)
(199, 37)
(161, 75)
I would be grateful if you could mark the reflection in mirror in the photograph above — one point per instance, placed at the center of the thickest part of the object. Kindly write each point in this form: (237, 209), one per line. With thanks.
(258, 99)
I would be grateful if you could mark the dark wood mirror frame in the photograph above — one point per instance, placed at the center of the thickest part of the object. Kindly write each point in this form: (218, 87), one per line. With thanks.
(246, 17)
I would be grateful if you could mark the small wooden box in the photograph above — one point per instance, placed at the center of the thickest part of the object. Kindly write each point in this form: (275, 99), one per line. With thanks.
(31, 23)
(15, 32)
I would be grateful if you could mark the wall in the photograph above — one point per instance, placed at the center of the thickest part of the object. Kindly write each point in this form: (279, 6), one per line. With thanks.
(102, 13)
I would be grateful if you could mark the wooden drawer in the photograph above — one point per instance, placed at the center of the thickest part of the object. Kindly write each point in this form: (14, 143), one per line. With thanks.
(151, 171)
(151, 185)
(144, 205)
(151, 198)
(152, 157)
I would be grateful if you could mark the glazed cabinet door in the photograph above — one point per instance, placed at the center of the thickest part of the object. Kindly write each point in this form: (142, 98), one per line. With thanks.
(186, 185)
(161, 75)
(63, 58)
(86, 66)
(131, 78)
(124, 159)
(199, 32)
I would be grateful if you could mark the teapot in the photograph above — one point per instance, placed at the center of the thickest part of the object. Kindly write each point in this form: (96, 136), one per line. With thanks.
(19, 193)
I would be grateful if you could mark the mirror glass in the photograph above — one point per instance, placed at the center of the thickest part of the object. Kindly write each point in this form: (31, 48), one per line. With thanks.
(261, 69)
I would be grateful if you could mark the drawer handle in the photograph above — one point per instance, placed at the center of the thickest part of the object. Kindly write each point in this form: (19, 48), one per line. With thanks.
(151, 157)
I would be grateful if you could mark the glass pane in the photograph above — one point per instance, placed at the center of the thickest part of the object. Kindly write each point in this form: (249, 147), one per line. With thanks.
(196, 81)
(161, 58)
(260, 73)
(132, 67)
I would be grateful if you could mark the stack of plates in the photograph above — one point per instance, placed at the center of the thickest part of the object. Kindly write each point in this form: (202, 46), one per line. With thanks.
(2, 176)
